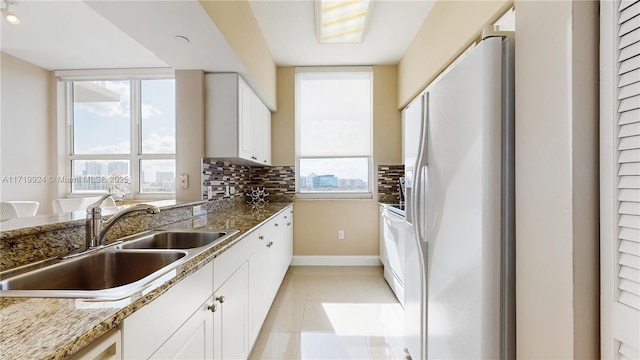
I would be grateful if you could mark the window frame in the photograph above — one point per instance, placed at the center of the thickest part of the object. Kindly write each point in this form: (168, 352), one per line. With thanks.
(135, 155)
(368, 194)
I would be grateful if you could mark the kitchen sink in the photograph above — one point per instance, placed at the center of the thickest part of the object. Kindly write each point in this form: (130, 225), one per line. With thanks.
(96, 271)
(177, 240)
(114, 272)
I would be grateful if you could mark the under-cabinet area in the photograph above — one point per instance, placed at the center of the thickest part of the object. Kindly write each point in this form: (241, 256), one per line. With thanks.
(213, 307)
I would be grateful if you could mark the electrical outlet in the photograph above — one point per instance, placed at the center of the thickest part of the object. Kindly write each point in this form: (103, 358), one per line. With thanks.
(209, 192)
(184, 181)
(197, 210)
(340, 234)
(233, 190)
(226, 190)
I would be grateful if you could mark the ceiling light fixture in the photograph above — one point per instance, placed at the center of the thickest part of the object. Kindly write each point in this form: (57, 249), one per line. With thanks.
(10, 17)
(342, 22)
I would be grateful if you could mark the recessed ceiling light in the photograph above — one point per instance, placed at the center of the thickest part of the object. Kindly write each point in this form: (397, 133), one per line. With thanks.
(342, 22)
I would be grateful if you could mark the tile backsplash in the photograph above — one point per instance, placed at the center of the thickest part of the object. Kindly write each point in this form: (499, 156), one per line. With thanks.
(388, 177)
(278, 181)
(219, 175)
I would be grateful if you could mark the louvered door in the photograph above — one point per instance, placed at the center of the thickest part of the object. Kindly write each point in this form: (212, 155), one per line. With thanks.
(620, 179)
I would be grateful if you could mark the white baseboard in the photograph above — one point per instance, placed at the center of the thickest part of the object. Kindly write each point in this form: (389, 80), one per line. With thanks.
(336, 260)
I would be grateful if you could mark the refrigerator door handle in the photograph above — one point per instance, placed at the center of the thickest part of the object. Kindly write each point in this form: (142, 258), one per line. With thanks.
(421, 164)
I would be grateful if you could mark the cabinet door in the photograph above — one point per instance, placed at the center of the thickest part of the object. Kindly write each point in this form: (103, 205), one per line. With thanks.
(107, 347)
(275, 260)
(280, 250)
(288, 239)
(193, 340)
(245, 121)
(258, 289)
(231, 317)
(266, 135)
(257, 127)
(147, 329)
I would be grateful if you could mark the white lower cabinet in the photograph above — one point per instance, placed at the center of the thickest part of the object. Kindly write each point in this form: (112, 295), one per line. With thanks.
(193, 340)
(107, 347)
(230, 320)
(259, 301)
(148, 329)
(217, 312)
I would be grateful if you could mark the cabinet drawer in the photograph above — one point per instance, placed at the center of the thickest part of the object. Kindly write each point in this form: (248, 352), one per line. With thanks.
(148, 328)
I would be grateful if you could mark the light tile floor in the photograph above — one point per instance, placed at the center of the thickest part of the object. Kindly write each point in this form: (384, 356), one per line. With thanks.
(332, 313)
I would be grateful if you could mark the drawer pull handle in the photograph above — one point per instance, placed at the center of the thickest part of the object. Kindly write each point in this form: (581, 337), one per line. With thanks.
(270, 244)
(220, 299)
(288, 224)
(261, 237)
(212, 307)
(276, 224)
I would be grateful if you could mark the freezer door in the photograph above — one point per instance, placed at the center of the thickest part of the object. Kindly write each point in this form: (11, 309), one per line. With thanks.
(412, 117)
(461, 208)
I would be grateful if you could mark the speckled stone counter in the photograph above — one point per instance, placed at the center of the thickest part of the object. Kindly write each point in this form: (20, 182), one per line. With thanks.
(55, 328)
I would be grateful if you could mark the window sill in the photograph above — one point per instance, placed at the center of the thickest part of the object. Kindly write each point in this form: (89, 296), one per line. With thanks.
(333, 196)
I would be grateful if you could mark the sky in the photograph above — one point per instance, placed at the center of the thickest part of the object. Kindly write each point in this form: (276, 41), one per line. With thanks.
(104, 127)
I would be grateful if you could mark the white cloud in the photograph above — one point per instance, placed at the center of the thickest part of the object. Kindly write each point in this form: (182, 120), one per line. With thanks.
(149, 111)
(123, 147)
(156, 144)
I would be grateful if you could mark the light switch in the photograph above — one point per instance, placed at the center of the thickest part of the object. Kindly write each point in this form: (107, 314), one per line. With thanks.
(184, 181)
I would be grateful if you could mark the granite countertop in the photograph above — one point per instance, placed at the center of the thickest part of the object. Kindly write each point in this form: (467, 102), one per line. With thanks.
(56, 328)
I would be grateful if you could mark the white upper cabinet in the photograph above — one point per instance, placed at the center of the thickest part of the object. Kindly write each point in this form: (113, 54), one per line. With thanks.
(238, 124)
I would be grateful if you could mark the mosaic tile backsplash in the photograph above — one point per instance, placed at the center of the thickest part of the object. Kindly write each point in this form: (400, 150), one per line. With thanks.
(279, 181)
(388, 178)
(218, 175)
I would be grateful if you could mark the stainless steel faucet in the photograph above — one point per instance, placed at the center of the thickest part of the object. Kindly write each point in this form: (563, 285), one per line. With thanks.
(96, 228)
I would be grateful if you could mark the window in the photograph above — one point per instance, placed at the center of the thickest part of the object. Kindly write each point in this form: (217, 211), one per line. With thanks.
(333, 132)
(122, 137)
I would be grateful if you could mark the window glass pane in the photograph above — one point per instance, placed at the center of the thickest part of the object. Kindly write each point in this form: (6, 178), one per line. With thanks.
(334, 112)
(158, 116)
(334, 175)
(100, 176)
(157, 176)
(101, 117)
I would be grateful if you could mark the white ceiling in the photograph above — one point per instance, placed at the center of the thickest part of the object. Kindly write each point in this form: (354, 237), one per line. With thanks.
(75, 34)
(289, 28)
(67, 34)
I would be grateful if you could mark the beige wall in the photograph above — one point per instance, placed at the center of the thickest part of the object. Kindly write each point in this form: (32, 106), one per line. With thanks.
(283, 121)
(317, 221)
(450, 27)
(556, 179)
(237, 23)
(28, 128)
(190, 112)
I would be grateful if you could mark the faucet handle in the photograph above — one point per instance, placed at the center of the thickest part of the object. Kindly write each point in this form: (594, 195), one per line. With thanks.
(95, 207)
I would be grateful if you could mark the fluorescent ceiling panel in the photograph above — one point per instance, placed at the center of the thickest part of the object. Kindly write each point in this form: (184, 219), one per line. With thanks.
(342, 22)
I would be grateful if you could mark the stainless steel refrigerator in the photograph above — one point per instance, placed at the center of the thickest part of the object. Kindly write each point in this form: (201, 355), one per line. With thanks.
(459, 255)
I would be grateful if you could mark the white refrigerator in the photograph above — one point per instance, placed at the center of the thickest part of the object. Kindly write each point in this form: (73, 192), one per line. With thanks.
(459, 269)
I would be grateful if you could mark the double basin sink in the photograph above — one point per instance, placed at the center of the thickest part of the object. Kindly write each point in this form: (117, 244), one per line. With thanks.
(115, 271)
